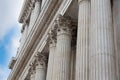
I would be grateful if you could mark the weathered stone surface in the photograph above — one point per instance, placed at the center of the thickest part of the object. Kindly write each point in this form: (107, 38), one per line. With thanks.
(68, 40)
(82, 52)
(102, 50)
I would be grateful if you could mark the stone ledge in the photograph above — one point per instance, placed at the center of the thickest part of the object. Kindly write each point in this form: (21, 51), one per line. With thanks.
(12, 62)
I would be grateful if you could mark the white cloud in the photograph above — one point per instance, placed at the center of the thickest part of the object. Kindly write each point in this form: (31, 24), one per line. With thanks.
(12, 47)
(9, 13)
(4, 72)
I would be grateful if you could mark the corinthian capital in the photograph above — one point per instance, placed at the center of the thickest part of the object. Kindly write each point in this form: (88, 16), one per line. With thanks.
(32, 69)
(40, 61)
(52, 36)
(64, 25)
(63, 21)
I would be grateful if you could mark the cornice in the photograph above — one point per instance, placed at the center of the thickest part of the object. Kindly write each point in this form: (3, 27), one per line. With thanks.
(26, 10)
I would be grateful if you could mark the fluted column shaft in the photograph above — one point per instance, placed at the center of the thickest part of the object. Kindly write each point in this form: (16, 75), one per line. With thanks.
(82, 40)
(50, 70)
(40, 70)
(62, 56)
(102, 55)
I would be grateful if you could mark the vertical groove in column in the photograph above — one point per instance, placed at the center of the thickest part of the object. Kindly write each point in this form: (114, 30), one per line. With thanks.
(102, 55)
(116, 20)
(82, 40)
(62, 56)
(50, 70)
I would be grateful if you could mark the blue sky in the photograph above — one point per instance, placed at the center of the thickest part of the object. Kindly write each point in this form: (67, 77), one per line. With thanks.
(9, 33)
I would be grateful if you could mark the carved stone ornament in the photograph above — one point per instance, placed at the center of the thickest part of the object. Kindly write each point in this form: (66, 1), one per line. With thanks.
(52, 36)
(40, 61)
(32, 68)
(64, 24)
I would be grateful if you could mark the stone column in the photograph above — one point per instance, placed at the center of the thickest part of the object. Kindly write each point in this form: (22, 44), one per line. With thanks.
(32, 72)
(63, 47)
(102, 51)
(32, 77)
(52, 51)
(82, 40)
(40, 68)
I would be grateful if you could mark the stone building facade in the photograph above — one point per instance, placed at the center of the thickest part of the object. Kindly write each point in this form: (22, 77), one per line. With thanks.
(68, 40)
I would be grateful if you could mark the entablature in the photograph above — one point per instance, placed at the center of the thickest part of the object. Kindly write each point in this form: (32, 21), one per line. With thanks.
(26, 10)
(46, 19)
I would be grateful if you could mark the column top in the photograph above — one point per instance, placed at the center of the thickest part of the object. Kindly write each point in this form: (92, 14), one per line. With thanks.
(63, 21)
(40, 61)
(64, 25)
(32, 68)
(52, 36)
(79, 1)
